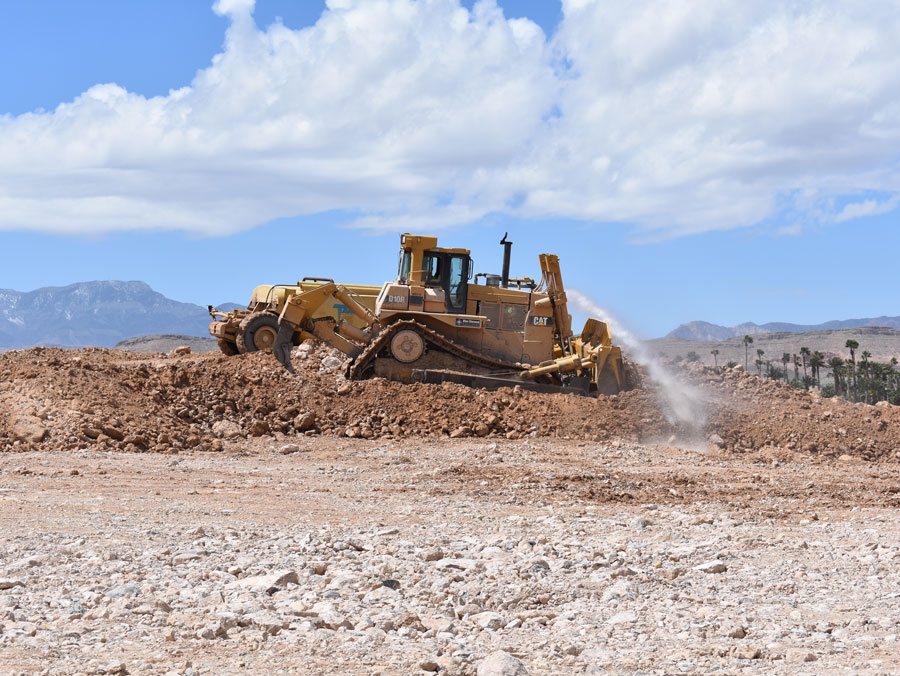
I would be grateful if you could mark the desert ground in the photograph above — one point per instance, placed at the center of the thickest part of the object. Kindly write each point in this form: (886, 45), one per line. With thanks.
(196, 514)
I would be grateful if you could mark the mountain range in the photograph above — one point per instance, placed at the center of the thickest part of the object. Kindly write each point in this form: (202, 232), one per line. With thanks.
(97, 314)
(706, 332)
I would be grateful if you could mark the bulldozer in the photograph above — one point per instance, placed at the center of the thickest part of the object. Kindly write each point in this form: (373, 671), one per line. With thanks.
(437, 322)
(255, 327)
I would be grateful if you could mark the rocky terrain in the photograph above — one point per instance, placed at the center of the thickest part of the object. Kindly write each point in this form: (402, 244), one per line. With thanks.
(195, 514)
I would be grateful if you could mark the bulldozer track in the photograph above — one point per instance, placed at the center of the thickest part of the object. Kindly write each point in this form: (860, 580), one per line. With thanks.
(359, 367)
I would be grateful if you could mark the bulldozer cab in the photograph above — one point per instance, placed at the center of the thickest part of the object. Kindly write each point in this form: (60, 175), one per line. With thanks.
(425, 266)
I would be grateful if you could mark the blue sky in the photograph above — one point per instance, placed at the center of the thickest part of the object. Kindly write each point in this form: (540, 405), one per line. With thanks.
(723, 161)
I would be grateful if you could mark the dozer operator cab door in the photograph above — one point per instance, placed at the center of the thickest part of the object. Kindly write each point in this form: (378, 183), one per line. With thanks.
(449, 272)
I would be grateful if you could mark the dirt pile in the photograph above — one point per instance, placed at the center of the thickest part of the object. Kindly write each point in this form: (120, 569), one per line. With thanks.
(69, 399)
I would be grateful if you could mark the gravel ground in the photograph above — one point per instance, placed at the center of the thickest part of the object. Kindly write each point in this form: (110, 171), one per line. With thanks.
(471, 556)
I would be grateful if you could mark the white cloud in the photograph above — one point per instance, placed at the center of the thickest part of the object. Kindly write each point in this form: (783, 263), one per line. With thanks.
(234, 7)
(870, 207)
(679, 117)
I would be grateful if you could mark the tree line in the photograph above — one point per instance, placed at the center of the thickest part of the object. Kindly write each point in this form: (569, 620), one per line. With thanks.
(862, 380)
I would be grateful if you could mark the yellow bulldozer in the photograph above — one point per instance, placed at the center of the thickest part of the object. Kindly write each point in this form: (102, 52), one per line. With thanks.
(437, 322)
(254, 328)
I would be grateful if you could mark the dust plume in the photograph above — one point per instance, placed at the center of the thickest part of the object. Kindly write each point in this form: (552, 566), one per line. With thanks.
(684, 402)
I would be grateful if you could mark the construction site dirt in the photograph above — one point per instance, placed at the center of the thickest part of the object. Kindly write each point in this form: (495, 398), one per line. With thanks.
(202, 514)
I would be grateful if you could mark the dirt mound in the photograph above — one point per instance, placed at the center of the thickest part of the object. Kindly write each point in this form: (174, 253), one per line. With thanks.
(69, 399)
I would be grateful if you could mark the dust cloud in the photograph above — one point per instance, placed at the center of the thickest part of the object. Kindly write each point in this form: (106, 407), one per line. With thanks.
(684, 402)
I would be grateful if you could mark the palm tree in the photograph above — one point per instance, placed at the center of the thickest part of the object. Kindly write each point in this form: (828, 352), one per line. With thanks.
(797, 368)
(851, 380)
(837, 374)
(816, 362)
(715, 354)
(804, 354)
(864, 362)
(785, 360)
(747, 340)
(759, 362)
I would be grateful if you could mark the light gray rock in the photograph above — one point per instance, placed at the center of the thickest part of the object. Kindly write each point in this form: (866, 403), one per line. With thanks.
(279, 578)
(330, 364)
(712, 567)
(330, 617)
(501, 663)
(226, 429)
(489, 620)
(130, 589)
(625, 617)
(187, 555)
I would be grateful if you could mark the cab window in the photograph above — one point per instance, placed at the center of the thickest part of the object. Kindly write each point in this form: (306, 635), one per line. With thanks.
(432, 265)
(405, 263)
(457, 282)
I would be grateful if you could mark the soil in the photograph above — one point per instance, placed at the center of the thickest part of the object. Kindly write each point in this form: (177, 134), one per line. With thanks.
(55, 399)
(195, 514)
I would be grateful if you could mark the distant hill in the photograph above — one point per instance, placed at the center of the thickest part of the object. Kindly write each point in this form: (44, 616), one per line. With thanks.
(704, 331)
(96, 314)
(167, 343)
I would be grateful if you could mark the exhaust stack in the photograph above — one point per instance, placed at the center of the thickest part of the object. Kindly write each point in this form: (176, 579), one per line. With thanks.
(507, 253)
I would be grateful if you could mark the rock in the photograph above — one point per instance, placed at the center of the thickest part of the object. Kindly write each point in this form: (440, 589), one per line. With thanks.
(269, 622)
(329, 616)
(625, 617)
(27, 428)
(259, 428)
(180, 351)
(747, 653)
(716, 440)
(305, 421)
(226, 429)
(712, 567)
(9, 583)
(330, 364)
(130, 589)
(488, 620)
(433, 554)
(187, 555)
(734, 631)
(501, 663)
(318, 567)
(280, 578)
(113, 432)
(798, 655)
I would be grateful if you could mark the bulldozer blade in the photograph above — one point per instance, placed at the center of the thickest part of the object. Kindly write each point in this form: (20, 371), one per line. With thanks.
(284, 342)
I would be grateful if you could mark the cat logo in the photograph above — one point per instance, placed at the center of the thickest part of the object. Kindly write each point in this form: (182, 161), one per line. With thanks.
(542, 321)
